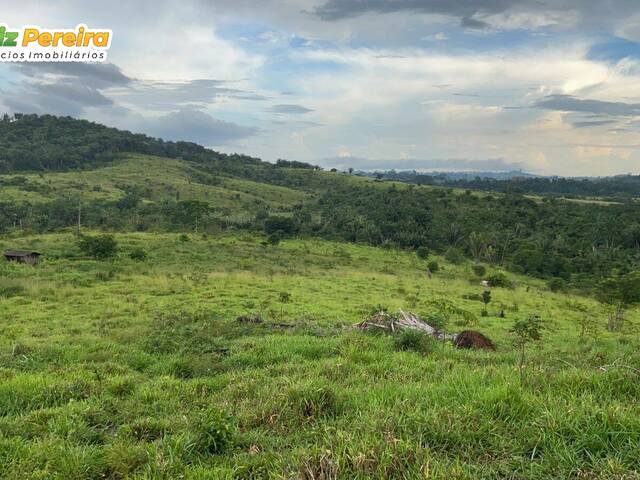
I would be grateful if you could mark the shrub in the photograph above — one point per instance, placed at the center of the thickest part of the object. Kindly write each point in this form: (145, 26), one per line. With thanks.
(138, 254)
(275, 238)
(525, 332)
(433, 266)
(414, 340)
(212, 433)
(479, 270)
(454, 255)
(486, 297)
(499, 280)
(422, 252)
(184, 238)
(100, 246)
(437, 320)
(285, 225)
(556, 284)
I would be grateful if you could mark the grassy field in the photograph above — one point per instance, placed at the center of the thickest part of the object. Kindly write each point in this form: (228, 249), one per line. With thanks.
(139, 369)
(161, 178)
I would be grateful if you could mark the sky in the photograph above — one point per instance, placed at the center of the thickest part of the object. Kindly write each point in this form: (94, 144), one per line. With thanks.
(547, 86)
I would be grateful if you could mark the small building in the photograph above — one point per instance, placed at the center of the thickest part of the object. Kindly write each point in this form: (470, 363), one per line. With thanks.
(29, 257)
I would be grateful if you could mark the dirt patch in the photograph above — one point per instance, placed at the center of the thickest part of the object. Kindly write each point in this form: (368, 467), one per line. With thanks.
(474, 340)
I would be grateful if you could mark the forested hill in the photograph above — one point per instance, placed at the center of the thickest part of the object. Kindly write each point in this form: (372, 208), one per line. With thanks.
(126, 182)
(50, 143)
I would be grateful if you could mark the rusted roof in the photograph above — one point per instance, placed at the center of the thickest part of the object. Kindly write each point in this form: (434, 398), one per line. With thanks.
(20, 253)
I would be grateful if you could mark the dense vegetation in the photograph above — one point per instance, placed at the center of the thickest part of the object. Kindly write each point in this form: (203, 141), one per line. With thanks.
(30, 142)
(572, 242)
(621, 186)
(543, 238)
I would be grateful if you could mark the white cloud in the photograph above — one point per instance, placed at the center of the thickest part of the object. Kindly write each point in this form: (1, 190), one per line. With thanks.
(374, 85)
(436, 37)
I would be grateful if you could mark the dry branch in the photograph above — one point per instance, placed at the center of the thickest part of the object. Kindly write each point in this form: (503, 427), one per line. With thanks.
(410, 321)
(403, 320)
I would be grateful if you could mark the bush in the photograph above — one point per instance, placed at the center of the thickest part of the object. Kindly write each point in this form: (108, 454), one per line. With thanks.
(433, 266)
(436, 320)
(479, 270)
(139, 254)
(556, 284)
(275, 238)
(422, 252)
(499, 280)
(415, 341)
(454, 255)
(212, 433)
(285, 225)
(100, 247)
(184, 238)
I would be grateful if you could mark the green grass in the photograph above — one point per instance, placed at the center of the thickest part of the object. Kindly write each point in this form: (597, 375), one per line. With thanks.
(163, 177)
(125, 369)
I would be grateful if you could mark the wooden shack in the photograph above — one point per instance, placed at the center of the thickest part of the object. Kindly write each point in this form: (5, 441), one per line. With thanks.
(29, 257)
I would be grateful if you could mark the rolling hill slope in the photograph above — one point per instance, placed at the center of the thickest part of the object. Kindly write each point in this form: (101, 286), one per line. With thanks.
(142, 369)
(54, 167)
(158, 179)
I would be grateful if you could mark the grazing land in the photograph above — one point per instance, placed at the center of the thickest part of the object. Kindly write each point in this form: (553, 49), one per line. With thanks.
(201, 315)
(126, 368)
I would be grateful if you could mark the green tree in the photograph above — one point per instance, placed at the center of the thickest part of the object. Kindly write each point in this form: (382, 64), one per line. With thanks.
(283, 298)
(479, 270)
(499, 280)
(620, 293)
(192, 212)
(100, 246)
(525, 332)
(138, 254)
(556, 284)
(284, 226)
(422, 252)
(486, 298)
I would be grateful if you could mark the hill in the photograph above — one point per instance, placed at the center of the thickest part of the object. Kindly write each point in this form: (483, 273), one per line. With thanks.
(140, 368)
(124, 182)
(201, 322)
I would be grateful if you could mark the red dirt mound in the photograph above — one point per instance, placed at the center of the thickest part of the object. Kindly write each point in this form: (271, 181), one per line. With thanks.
(474, 340)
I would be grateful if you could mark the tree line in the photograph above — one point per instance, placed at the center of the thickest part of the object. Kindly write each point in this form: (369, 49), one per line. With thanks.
(549, 238)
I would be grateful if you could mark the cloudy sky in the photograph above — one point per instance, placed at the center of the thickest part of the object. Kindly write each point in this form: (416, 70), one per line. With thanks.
(548, 86)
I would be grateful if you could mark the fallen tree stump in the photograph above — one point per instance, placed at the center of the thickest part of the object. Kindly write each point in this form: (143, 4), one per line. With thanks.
(410, 321)
(385, 321)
